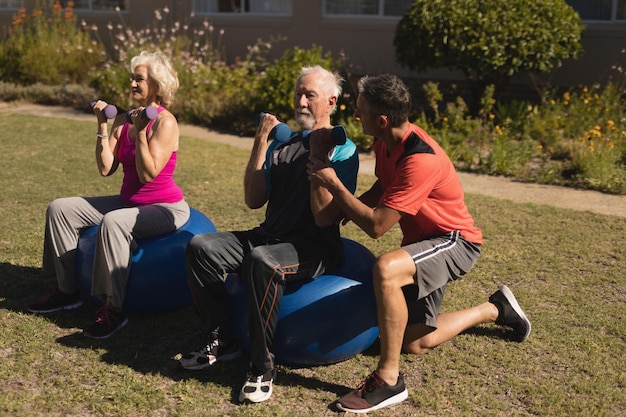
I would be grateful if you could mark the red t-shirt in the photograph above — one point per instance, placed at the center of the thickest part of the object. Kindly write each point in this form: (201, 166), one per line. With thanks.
(423, 185)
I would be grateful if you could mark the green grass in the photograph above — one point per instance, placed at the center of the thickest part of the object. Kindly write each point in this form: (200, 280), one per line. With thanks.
(566, 268)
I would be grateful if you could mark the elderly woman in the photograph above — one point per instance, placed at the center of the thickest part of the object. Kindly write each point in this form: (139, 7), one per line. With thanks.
(149, 203)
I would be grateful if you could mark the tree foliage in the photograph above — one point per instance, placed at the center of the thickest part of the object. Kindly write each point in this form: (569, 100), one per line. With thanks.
(488, 40)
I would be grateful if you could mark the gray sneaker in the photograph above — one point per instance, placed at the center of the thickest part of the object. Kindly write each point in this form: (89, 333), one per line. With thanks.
(373, 394)
(510, 314)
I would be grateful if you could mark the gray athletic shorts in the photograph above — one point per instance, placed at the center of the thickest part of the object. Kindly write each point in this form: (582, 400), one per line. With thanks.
(438, 261)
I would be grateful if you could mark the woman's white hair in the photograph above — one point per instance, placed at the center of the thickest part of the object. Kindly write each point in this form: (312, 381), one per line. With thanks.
(161, 70)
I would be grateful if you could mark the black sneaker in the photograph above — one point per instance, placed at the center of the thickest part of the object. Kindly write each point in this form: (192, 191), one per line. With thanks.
(373, 393)
(107, 323)
(257, 388)
(57, 301)
(215, 350)
(510, 314)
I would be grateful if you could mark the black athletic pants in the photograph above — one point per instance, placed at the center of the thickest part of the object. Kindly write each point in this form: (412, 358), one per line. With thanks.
(265, 264)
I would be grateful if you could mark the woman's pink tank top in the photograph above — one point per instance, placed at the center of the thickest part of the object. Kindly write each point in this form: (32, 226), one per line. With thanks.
(162, 189)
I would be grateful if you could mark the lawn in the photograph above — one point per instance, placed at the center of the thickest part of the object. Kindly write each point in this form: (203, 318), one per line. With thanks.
(566, 268)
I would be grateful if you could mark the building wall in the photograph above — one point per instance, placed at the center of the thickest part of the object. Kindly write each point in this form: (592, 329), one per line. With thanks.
(366, 41)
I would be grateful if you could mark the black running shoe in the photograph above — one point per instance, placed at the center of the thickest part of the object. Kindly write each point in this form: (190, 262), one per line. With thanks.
(373, 393)
(510, 314)
(107, 323)
(215, 350)
(57, 301)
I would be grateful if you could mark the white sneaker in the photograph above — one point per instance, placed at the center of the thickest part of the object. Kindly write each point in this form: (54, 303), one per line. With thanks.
(257, 388)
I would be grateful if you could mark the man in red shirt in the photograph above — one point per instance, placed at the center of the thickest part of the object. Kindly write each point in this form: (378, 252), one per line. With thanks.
(418, 188)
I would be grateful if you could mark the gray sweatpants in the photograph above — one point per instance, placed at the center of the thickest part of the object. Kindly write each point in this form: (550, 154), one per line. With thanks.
(120, 226)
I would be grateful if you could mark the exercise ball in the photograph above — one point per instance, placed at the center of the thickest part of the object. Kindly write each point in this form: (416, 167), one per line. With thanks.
(323, 320)
(158, 278)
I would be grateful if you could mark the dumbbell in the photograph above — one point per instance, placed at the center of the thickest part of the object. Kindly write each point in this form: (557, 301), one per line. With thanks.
(149, 113)
(281, 132)
(338, 133)
(110, 111)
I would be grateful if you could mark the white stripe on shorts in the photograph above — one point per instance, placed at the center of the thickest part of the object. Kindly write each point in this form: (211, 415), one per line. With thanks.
(444, 246)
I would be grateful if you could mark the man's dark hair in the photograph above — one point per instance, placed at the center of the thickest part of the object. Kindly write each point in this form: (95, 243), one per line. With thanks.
(388, 95)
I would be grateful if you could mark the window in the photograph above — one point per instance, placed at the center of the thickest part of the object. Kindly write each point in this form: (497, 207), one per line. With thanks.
(600, 10)
(10, 4)
(243, 6)
(96, 4)
(366, 7)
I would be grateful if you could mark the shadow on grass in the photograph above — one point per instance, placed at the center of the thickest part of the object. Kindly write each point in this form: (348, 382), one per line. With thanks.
(149, 343)
(493, 331)
(20, 286)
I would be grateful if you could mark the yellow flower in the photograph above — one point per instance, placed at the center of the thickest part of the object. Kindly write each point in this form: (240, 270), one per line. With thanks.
(342, 107)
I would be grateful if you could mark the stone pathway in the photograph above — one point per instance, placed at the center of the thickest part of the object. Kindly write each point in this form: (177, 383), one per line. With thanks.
(498, 187)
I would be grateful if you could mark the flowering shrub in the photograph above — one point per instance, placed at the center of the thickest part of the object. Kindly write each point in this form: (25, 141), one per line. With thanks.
(597, 159)
(47, 47)
(195, 52)
(577, 138)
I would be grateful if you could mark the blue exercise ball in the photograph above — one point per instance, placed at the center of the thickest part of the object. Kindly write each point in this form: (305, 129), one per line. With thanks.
(158, 278)
(324, 320)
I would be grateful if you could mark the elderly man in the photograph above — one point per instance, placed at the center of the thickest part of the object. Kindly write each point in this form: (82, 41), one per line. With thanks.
(299, 238)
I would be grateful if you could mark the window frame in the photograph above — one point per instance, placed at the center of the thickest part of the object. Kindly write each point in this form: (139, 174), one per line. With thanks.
(11, 7)
(242, 12)
(380, 12)
(612, 20)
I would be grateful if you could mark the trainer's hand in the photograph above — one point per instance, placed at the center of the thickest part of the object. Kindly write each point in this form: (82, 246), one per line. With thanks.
(320, 170)
(321, 142)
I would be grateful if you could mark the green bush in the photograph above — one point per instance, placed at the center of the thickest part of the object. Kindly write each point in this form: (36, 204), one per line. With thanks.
(577, 138)
(47, 47)
(488, 40)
